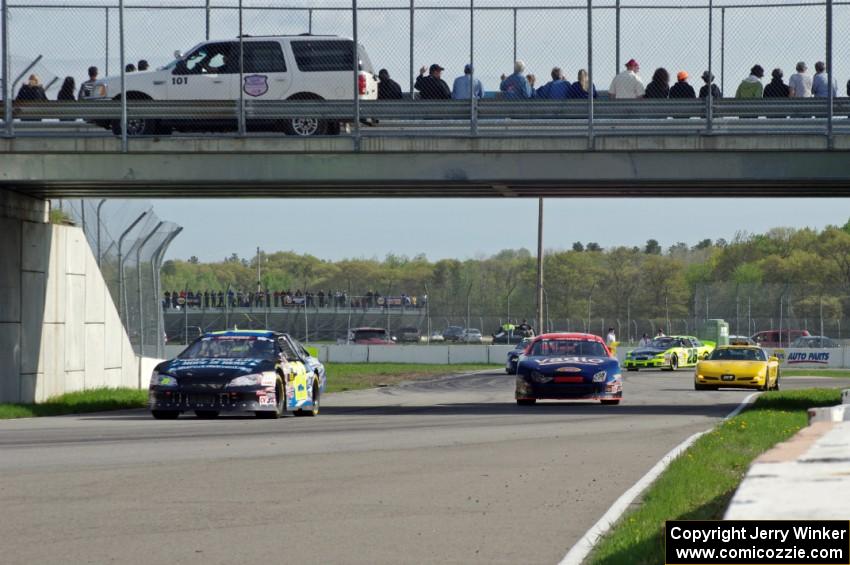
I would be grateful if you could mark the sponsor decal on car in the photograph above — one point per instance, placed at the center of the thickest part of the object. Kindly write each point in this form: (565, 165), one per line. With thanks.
(559, 360)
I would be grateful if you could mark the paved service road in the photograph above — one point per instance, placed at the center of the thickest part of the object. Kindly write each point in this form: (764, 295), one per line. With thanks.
(444, 471)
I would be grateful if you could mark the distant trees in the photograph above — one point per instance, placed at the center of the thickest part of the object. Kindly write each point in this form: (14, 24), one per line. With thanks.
(807, 270)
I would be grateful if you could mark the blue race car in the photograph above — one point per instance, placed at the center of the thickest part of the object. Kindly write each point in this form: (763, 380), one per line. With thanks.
(568, 366)
(267, 373)
(513, 355)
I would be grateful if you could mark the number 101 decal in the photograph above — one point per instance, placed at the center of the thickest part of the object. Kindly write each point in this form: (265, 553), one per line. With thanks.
(179, 80)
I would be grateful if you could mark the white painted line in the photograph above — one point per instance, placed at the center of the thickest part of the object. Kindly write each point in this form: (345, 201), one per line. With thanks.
(579, 552)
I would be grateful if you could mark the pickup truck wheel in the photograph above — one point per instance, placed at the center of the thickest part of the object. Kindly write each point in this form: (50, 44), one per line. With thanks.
(136, 127)
(305, 127)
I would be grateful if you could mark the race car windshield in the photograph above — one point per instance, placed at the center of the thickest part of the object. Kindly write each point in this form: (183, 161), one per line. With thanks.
(665, 343)
(737, 355)
(230, 348)
(558, 347)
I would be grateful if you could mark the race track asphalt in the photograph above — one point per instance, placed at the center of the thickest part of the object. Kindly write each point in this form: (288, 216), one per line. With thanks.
(444, 471)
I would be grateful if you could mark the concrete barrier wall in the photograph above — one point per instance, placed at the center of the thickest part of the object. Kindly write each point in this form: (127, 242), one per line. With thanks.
(423, 354)
(59, 329)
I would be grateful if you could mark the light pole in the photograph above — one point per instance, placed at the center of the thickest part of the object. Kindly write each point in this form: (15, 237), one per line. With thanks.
(540, 263)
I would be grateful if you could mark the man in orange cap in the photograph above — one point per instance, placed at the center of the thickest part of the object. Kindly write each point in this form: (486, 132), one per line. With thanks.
(682, 89)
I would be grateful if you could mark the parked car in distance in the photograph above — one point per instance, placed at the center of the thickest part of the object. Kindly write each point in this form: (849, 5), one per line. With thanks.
(771, 338)
(472, 335)
(436, 337)
(408, 334)
(453, 333)
(370, 336)
(815, 341)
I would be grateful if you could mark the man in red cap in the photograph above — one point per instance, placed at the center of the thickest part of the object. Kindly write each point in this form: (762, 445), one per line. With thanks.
(627, 84)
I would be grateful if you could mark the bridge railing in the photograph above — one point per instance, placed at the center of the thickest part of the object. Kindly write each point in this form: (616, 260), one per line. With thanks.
(491, 117)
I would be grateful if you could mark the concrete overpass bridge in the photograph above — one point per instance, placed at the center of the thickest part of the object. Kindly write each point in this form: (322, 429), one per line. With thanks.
(443, 165)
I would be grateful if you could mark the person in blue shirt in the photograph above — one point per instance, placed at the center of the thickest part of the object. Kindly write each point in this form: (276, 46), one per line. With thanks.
(516, 87)
(582, 86)
(461, 89)
(556, 89)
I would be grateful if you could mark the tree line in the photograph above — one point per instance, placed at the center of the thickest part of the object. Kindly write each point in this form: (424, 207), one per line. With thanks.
(785, 271)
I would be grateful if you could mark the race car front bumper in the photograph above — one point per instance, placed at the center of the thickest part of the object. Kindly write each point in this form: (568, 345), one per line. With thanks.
(646, 364)
(242, 401)
(527, 389)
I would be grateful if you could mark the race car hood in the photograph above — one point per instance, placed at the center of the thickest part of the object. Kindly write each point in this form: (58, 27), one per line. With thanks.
(737, 368)
(571, 366)
(216, 370)
(648, 351)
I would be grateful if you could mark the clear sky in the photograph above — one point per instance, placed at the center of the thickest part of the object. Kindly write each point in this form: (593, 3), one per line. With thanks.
(443, 228)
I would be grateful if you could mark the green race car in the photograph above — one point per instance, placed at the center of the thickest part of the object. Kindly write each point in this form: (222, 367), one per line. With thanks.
(668, 352)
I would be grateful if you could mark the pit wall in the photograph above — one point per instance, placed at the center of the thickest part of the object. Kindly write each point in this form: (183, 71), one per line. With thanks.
(59, 328)
(796, 358)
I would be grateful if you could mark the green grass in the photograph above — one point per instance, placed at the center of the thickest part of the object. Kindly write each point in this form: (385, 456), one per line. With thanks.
(699, 484)
(353, 376)
(816, 372)
(96, 400)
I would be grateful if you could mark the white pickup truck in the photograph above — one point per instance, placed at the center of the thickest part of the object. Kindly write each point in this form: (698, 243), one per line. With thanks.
(301, 67)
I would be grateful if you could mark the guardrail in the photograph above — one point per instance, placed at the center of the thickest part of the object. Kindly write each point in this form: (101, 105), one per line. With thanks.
(485, 117)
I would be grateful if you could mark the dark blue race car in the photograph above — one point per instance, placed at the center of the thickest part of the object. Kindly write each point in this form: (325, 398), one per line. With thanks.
(263, 372)
(568, 366)
(513, 355)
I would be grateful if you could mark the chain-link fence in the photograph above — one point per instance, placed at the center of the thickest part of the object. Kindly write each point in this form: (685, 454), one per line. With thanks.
(481, 67)
(129, 242)
(748, 309)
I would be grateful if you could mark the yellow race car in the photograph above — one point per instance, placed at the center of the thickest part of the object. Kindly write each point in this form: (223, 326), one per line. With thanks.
(739, 366)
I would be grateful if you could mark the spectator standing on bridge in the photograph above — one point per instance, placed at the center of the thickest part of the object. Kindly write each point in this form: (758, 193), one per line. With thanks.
(32, 91)
(659, 87)
(776, 88)
(388, 89)
(627, 84)
(820, 82)
(432, 86)
(465, 87)
(516, 86)
(143, 65)
(87, 86)
(682, 89)
(800, 83)
(581, 87)
(708, 79)
(751, 86)
(130, 68)
(556, 89)
(66, 93)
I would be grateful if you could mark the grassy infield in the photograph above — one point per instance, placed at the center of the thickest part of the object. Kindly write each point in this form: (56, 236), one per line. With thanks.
(341, 376)
(697, 485)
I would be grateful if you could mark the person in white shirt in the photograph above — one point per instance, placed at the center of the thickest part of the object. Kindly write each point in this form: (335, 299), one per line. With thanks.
(611, 338)
(800, 83)
(628, 83)
(644, 341)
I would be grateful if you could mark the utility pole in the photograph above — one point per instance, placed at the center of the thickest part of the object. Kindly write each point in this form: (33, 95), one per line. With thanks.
(540, 264)
(259, 279)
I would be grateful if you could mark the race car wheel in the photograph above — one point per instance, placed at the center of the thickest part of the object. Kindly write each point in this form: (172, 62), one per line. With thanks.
(279, 404)
(766, 385)
(698, 386)
(314, 411)
(526, 401)
(674, 363)
(164, 414)
(776, 384)
(206, 414)
(632, 369)
(610, 401)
